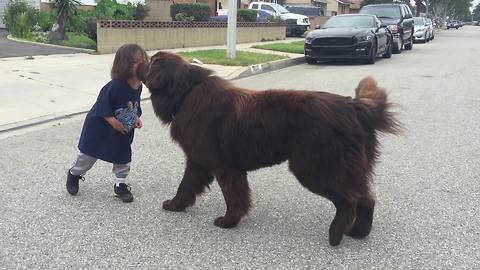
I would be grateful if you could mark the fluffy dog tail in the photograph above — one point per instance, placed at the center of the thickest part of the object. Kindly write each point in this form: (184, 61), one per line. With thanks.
(378, 110)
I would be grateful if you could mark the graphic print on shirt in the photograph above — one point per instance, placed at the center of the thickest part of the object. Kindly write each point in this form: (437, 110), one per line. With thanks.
(128, 115)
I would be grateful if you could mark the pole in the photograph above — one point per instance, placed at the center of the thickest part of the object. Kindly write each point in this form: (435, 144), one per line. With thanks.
(232, 29)
(426, 7)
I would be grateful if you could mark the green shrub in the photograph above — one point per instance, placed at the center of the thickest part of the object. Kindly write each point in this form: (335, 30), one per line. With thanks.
(41, 37)
(200, 12)
(20, 18)
(46, 19)
(91, 25)
(140, 11)
(111, 10)
(247, 15)
(79, 41)
(181, 17)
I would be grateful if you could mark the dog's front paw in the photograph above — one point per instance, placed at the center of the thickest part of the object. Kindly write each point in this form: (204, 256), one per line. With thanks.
(171, 205)
(224, 222)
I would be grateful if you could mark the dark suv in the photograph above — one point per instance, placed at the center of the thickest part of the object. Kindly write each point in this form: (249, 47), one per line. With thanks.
(399, 19)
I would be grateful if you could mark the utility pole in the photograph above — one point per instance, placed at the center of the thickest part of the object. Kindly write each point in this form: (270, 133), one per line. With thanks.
(426, 8)
(232, 29)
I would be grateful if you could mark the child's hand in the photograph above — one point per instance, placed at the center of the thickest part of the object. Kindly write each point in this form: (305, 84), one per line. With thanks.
(116, 125)
(138, 123)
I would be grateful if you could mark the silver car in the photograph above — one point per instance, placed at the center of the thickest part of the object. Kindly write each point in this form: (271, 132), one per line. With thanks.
(421, 30)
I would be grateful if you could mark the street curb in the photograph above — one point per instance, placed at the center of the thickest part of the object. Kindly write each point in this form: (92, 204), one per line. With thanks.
(9, 37)
(266, 67)
(242, 73)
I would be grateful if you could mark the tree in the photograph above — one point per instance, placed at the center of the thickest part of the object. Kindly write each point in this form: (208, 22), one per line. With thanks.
(476, 13)
(453, 9)
(64, 8)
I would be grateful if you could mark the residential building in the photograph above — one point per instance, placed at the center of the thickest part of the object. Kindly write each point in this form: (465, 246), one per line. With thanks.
(335, 7)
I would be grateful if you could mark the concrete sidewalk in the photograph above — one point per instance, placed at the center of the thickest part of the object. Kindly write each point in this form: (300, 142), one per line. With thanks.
(57, 86)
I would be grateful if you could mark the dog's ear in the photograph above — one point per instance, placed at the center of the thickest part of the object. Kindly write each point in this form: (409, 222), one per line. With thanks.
(160, 75)
(170, 75)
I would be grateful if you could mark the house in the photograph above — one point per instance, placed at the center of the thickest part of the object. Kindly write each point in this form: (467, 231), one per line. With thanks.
(335, 7)
(355, 6)
(3, 5)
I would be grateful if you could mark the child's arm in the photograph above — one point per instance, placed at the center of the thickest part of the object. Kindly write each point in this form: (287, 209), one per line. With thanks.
(116, 124)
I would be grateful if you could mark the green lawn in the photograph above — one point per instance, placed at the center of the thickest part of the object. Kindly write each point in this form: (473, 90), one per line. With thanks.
(293, 47)
(219, 57)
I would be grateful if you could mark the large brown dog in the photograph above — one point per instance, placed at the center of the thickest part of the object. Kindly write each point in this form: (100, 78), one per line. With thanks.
(330, 141)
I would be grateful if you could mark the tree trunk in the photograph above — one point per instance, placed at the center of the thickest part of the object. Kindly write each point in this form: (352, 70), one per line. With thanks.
(57, 34)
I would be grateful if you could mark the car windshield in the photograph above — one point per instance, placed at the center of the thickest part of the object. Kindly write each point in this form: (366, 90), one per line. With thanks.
(350, 21)
(280, 8)
(382, 12)
(419, 21)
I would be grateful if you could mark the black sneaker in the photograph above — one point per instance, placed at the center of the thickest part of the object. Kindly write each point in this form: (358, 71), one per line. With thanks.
(72, 183)
(123, 192)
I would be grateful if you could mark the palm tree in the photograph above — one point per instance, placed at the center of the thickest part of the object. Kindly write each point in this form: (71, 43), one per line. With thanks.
(65, 8)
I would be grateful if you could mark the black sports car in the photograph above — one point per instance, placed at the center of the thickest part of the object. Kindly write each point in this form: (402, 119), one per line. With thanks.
(355, 36)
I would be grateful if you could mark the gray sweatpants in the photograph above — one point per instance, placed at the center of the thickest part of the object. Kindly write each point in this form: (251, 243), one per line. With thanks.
(83, 163)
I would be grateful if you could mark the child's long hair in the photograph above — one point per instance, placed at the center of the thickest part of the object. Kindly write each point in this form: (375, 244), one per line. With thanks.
(124, 60)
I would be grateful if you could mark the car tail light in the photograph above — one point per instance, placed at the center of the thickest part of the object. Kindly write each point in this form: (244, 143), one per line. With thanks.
(393, 28)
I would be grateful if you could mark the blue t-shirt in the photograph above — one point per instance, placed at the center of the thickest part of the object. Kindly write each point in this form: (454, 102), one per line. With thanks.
(99, 139)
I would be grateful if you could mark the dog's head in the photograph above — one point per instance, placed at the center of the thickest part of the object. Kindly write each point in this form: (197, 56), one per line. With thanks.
(170, 79)
(168, 74)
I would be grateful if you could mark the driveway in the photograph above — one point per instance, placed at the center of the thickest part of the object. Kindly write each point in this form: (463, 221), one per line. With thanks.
(11, 48)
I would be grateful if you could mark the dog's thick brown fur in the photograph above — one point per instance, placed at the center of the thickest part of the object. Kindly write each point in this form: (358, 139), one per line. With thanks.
(330, 141)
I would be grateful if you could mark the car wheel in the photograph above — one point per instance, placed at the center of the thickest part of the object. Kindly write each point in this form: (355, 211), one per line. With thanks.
(388, 52)
(310, 60)
(433, 37)
(409, 46)
(373, 53)
(425, 38)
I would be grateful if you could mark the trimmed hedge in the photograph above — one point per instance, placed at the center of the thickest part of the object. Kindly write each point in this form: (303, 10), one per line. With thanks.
(247, 15)
(200, 12)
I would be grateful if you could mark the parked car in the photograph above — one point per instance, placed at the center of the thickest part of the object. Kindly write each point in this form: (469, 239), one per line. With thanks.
(431, 28)
(453, 24)
(399, 19)
(297, 24)
(352, 36)
(262, 16)
(421, 29)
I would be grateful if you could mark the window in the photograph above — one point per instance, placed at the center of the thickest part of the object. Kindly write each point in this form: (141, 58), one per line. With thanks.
(269, 8)
(255, 6)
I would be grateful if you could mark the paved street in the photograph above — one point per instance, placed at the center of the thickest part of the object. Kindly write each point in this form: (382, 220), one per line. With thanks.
(427, 186)
(11, 48)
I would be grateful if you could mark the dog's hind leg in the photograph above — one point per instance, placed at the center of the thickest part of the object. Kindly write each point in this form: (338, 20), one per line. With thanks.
(343, 220)
(363, 223)
(236, 192)
(323, 180)
(194, 181)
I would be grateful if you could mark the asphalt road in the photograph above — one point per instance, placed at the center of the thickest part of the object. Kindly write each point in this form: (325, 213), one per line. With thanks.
(427, 186)
(10, 48)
